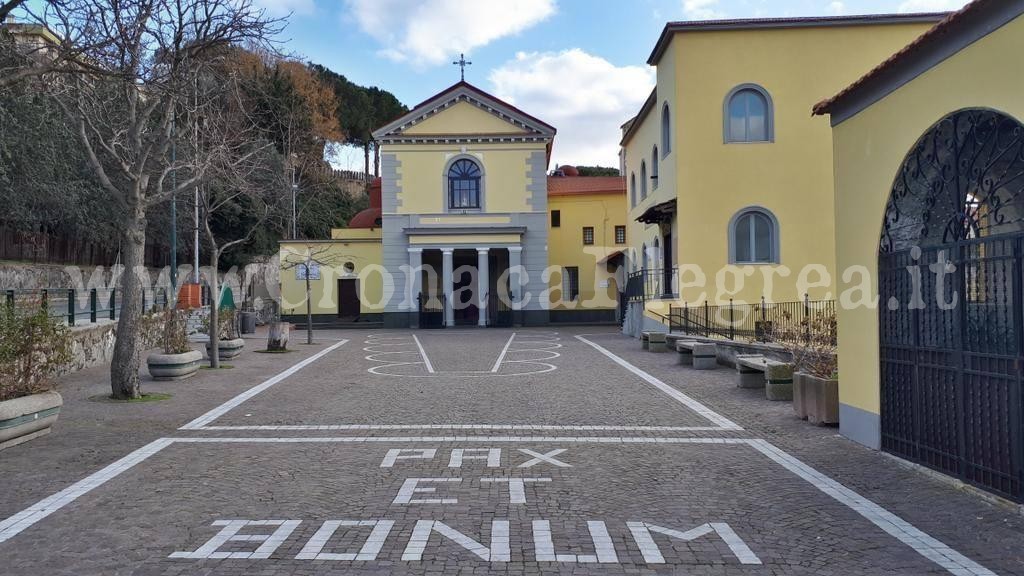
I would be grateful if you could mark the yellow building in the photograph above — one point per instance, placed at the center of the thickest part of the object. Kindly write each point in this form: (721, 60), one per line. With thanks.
(729, 178)
(929, 181)
(458, 230)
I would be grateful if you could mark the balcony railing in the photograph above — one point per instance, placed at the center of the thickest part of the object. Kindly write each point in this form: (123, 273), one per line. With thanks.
(653, 284)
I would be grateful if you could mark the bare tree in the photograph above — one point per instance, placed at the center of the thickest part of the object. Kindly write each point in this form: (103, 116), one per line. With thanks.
(138, 61)
(312, 259)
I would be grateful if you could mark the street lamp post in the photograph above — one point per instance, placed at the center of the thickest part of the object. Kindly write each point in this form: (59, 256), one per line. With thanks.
(295, 190)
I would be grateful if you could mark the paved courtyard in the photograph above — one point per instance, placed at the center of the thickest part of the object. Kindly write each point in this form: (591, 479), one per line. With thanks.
(470, 452)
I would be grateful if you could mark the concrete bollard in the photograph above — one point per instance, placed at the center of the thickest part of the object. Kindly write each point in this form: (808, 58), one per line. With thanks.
(704, 357)
(656, 342)
(685, 354)
(778, 382)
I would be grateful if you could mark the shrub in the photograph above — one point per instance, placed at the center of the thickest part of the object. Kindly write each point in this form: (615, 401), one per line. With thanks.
(227, 328)
(812, 343)
(33, 348)
(174, 339)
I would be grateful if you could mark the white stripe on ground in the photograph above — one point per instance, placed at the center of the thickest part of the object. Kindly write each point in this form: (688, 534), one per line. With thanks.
(14, 525)
(504, 351)
(680, 397)
(895, 526)
(224, 408)
(510, 427)
(423, 353)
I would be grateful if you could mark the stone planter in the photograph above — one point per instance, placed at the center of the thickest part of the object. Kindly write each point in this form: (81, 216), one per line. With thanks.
(228, 349)
(818, 399)
(174, 366)
(23, 419)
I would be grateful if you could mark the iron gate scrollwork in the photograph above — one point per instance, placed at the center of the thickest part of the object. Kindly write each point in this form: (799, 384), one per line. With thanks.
(951, 314)
(431, 311)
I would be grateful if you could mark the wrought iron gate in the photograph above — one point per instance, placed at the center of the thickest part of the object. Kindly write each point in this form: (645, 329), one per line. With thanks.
(951, 316)
(500, 312)
(431, 311)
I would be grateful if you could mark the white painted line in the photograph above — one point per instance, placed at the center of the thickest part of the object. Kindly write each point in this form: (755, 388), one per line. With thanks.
(14, 525)
(224, 408)
(895, 526)
(504, 351)
(423, 353)
(509, 427)
(441, 439)
(687, 401)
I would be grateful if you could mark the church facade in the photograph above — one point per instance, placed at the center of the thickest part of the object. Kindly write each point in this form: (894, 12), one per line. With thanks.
(460, 227)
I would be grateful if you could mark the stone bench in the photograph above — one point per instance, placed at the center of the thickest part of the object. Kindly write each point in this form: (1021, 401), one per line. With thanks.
(705, 356)
(685, 350)
(756, 371)
(657, 342)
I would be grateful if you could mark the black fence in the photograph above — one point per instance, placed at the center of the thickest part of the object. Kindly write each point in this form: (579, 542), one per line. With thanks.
(76, 307)
(652, 284)
(760, 322)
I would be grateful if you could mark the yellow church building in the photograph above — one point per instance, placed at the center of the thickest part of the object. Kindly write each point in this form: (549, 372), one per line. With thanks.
(464, 229)
(929, 183)
(730, 186)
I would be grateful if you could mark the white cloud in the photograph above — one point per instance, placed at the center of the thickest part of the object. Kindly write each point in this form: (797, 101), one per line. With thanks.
(701, 9)
(931, 5)
(286, 7)
(837, 7)
(584, 96)
(430, 32)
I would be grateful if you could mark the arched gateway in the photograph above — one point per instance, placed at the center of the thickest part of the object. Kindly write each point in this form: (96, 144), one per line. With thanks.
(951, 287)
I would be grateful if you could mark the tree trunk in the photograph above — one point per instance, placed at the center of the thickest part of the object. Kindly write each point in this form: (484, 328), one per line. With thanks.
(124, 367)
(366, 157)
(214, 311)
(376, 160)
(277, 338)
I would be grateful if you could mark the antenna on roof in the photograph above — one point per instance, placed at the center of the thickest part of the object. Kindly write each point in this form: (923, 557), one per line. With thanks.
(462, 63)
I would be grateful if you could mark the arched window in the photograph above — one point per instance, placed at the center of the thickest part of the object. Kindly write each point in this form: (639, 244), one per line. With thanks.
(666, 131)
(749, 115)
(753, 237)
(644, 256)
(654, 168)
(464, 185)
(632, 189)
(643, 179)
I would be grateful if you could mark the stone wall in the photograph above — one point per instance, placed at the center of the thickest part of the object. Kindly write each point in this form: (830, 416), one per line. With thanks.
(93, 344)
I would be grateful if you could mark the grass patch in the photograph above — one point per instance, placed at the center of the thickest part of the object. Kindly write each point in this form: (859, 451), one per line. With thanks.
(273, 351)
(222, 367)
(108, 399)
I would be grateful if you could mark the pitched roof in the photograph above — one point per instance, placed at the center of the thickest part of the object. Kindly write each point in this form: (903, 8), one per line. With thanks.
(584, 185)
(774, 23)
(937, 35)
(633, 124)
(434, 103)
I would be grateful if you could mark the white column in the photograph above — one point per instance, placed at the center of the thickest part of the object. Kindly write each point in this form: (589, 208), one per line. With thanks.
(483, 284)
(446, 285)
(414, 284)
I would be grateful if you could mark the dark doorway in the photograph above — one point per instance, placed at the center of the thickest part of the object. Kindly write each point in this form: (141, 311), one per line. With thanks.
(666, 266)
(464, 288)
(348, 298)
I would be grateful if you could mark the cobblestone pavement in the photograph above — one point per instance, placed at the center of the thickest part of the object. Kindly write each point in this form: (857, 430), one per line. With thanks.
(473, 452)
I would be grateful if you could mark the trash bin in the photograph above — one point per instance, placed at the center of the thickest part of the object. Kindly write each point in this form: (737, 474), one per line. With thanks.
(248, 322)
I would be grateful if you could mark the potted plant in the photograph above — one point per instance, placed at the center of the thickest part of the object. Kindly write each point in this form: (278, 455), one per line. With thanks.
(812, 345)
(33, 349)
(177, 360)
(229, 344)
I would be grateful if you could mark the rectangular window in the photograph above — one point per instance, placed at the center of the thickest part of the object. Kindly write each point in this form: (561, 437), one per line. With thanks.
(570, 283)
(556, 218)
(620, 234)
(588, 235)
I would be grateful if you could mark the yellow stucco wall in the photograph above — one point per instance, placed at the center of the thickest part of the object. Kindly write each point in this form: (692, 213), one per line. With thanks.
(791, 176)
(365, 254)
(869, 149)
(422, 177)
(603, 212)
(464, 118)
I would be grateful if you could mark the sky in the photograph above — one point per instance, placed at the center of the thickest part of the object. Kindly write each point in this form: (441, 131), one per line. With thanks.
(579, 65)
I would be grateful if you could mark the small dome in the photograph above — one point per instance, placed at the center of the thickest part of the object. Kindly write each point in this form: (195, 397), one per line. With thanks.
(569, 170)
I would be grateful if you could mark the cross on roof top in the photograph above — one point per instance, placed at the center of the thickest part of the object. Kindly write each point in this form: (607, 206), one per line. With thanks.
(462, 63)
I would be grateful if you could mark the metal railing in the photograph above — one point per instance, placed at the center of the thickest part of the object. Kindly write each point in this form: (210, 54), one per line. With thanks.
(652, 284)
(76, 307)
(760, 322)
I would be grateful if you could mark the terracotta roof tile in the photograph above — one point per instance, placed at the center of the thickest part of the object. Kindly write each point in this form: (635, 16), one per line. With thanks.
(583, 185)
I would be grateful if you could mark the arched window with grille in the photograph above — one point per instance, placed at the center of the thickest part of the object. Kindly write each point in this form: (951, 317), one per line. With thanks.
(643, 179)
(464, 176)
(654, 168)
(632, 189)
(754, 237)
(666, 131)
(749, 115)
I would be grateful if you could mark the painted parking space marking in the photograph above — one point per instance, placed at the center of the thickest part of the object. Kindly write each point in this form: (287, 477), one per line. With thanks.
(506, 427)
(688, 401)
(925, 545)
(226, 407)
(404, 356)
